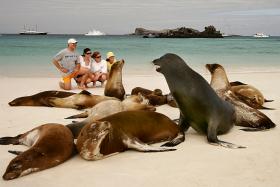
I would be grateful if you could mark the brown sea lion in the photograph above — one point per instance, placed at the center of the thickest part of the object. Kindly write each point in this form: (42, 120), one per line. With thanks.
(155, 97)
(114, 86)
(81, 100)
(249, 95)
(50, 145)
(106, 108)
(127, 130)
(200, 107)
(246, 116)
(39, 99)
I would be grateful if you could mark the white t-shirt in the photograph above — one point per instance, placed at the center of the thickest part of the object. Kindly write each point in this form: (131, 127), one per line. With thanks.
(99, 66)
(83, 63)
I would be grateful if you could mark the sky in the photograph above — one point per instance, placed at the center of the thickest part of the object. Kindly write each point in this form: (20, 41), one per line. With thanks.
(244, 17)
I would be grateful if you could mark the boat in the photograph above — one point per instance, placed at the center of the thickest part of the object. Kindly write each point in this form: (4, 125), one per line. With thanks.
(32, 32)
(260, 35)
(95, 33)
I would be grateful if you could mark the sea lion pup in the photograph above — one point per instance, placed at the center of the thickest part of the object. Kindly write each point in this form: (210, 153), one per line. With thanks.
(155, 97)
(50, 145)
(39, 99)
(110, 107)
(200, 107)
(81, 100)
(246, 116)
(249, 95)
(114, 86)
(127, 130)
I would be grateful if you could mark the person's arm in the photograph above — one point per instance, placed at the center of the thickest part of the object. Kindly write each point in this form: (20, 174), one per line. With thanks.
(59, 67)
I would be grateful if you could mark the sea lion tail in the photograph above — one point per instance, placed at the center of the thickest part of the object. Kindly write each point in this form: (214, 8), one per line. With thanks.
(81, 115)
(10, 140)
(177, 140)
(262, 125)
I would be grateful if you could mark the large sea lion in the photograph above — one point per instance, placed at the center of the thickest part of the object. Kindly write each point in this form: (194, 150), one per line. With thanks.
(39, 99)
(249, 95)
(50, 145)
(200, 107)
(246, 116)
(114, 86)
(127, 130)
(81, 100)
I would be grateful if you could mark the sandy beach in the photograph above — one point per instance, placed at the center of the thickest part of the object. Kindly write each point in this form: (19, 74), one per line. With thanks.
(194, 163)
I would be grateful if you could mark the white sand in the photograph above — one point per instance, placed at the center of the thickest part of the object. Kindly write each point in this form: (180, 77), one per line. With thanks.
(194, 163)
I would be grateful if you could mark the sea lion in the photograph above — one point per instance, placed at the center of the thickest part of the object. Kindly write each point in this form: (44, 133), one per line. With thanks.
(81, 100)
(39, 99)
(200, 107)
(114, 86)
(246, 116)
(249, 95)
(127, 130)
(106, 108)
(50, 145)
(155, 97)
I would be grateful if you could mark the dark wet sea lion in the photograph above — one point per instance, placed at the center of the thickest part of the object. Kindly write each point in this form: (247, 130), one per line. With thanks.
(50, 145)
(81, 100)
(114, 86)
(200, 107)
(127, 130)
(39, 99)
(246, 116)
(249, 95)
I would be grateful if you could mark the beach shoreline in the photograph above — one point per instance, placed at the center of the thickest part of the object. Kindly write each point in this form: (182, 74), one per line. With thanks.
(194, 163)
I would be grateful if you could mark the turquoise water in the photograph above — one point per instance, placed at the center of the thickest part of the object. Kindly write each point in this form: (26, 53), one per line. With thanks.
(29, 56)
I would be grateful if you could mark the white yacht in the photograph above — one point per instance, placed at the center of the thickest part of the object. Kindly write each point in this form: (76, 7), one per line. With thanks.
(260, 35)
(32, 32)
(94, 33)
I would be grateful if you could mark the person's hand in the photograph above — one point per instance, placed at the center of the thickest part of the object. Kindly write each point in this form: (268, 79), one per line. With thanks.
(64, 70)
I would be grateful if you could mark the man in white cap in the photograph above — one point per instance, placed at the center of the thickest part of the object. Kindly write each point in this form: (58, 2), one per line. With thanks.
(67, 62)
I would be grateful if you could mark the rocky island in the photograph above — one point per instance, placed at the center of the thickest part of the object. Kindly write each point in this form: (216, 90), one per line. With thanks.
(182, 32)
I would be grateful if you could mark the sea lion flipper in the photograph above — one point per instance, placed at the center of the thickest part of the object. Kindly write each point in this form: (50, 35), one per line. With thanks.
(81, 115)
(267, 100)
(15, 152)
(84, 92)
(213, 139)
(135, 144)
(183, 123)
(10, 140)
(177, 140)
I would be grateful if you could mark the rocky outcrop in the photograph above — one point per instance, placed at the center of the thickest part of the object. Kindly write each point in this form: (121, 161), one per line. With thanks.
(182, 32)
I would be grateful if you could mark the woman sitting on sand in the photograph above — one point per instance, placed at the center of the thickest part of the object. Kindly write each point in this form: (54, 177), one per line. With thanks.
(98, 68)
(84, 74)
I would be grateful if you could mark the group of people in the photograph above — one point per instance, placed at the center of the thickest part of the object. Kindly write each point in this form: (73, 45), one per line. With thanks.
(84, 69)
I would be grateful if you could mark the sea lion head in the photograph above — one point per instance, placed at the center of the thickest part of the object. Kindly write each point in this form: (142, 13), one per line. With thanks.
(117, 66)
(169, 63)
(22, 165)
(213, 67)
(91, 138)
(22, 101)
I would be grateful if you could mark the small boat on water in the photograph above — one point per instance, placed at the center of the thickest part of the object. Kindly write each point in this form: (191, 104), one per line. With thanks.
(32, 32)
(95, 33)
(260, 35)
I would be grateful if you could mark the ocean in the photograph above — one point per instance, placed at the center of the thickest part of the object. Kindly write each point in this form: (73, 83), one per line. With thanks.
(31, 56)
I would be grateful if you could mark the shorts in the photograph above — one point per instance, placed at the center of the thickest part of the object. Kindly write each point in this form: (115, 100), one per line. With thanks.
(67, 78)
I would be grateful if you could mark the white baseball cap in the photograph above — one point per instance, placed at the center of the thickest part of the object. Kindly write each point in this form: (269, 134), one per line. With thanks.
(72, 41)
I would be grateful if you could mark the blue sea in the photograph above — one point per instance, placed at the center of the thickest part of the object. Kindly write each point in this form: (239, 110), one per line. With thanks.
(31, 56)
